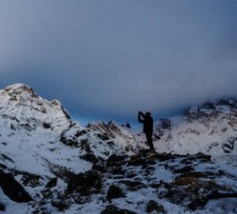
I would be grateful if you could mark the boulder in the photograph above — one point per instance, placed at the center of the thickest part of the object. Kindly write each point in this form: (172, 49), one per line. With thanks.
(2, 206)
(154, 207)
(166, 124)
(13, 189)
(52, 183)
(90, 157)
(133, 185)
(185, 190)
(85, 183)
(115, 192)
(116, 160)
(115, 210)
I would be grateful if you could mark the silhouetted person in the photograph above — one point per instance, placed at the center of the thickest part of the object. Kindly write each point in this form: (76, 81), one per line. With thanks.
(147, 121)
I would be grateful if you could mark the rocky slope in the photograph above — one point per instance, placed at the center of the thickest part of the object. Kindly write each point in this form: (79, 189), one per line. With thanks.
(51, 164)
(122, 136)
(33, 128)
(38, 140)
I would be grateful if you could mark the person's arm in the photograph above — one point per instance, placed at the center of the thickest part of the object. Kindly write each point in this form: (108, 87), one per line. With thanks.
(140, 117)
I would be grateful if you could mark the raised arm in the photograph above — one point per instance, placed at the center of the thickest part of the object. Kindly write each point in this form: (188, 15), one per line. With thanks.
(140, 117)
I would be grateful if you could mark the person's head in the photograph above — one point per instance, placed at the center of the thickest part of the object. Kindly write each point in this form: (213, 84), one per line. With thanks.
(148, 113)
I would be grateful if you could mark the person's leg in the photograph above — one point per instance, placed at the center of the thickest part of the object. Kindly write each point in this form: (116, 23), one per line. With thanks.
(149, 141)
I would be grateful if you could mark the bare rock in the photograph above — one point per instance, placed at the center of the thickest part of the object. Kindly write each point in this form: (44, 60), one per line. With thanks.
(115, 210)
(52, 183)
(154, 207)
(13, 189)
(2, 206)
(115, 192)
(85, 183)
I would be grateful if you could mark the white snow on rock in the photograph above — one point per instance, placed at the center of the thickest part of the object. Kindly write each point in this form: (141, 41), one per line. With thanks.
(30, 131)
(210, 129)
(38, 137)
(20, 103)
(123, 138)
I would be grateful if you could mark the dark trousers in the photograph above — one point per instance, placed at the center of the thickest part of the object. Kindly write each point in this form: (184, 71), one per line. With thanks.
(149, 141)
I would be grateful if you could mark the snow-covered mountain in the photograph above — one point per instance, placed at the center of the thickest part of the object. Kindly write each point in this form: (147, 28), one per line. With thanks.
(20, 103)
(38, 138)
(51, 164)
(210, 128)
(33, 128)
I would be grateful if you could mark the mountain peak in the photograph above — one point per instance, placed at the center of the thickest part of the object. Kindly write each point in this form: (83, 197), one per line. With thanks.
(19, 89)
(19, 101)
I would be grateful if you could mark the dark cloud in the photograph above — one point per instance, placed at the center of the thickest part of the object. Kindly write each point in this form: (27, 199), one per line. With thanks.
(109, 58)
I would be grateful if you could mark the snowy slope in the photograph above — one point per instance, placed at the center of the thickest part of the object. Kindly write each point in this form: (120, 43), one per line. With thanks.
(36, 138)
(123, 137)
(103, 168)
(210, 128)
(21, 104)
(31, 128)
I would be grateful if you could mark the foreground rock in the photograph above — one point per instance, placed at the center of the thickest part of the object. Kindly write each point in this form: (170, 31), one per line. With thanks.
(139, 184)
(115, 210)
(12, 188)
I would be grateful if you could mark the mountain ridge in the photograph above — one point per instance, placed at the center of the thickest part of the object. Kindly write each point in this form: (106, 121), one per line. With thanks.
(209, 128)
(55, 165)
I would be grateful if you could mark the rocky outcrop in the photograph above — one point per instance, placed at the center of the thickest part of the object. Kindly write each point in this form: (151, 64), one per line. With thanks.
(154, 207)
(2, 206)
(189, 181)
(115, 210)
(115, 192)
(121, 136)
(13, 189)
(85, 183)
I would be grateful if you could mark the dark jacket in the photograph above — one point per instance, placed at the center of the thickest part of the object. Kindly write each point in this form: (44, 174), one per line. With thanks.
(147, 121)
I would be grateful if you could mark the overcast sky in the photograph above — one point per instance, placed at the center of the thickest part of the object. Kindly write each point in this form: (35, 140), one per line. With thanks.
(108, 59)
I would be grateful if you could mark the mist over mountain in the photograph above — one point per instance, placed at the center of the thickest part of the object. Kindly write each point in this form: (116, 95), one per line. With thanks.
(109, 59)
(52, 164)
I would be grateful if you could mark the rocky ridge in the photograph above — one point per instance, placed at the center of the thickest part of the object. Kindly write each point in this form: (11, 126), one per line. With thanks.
(121, 136)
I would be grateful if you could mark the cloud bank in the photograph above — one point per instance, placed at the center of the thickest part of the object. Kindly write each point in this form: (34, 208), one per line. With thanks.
(109, 59)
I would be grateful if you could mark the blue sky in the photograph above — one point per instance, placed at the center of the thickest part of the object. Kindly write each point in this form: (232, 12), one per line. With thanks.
(109, 59)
